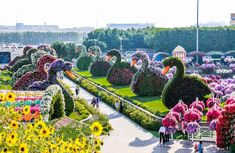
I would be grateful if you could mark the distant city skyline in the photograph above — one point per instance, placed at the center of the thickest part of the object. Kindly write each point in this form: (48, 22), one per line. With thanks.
(91, 13)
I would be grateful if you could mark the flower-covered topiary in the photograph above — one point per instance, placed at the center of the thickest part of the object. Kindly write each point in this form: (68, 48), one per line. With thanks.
(120, 73)
(84, 60)
(52, 104)
(98, 66)
(182, 86)
(12, 62)
(57, 66)
(30, 67)
(47, 49)
(24, 61)
(30, 77)
(148, 80)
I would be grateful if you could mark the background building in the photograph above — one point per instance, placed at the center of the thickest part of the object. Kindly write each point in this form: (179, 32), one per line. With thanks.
(125, 26)
(232, 22)
(21, 27)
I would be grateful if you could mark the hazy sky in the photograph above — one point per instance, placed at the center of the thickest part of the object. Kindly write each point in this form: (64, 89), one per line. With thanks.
(97, 13)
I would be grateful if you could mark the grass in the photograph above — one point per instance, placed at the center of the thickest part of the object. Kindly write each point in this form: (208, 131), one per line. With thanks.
(153, 103)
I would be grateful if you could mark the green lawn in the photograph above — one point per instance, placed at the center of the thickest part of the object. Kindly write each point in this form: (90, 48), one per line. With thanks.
(154, 103)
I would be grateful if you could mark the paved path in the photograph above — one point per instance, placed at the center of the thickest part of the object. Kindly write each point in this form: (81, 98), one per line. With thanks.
(128, 137)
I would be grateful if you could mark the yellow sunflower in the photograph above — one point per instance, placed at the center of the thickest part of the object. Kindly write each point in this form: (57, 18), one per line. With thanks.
(10, 142)
(51, 129)
(2, 97)
(39, 125)
(10, 97)
(23, 148)
(13, 136)
(96, 128)
(44, 132)
(26, 110)
(97, 142)
(14, 125)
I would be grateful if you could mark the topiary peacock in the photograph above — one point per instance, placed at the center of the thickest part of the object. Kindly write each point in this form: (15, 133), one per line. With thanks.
(55, 67)
(84, 60)
(181, 86)
(40, 74)
(148, 80)
(120, 73)
(98, 67)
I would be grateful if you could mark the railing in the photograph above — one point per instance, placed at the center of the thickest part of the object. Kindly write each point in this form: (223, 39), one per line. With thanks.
(122, 99)
(203, 134)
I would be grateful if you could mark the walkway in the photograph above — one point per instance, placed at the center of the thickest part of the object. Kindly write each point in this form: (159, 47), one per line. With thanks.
(128, 137)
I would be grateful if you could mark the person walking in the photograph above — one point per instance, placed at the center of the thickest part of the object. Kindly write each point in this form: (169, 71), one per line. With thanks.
(121, 107)
(200, 148)
(117, 105)
(77, 90)
(97, 102)
(93, 101)
(162, 132)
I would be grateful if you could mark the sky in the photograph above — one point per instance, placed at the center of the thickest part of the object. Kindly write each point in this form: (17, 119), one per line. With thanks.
(98, 13)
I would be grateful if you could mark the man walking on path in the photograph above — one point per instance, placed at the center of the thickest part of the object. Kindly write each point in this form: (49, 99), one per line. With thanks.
(97, 102)
(77, 90)
(162, 132)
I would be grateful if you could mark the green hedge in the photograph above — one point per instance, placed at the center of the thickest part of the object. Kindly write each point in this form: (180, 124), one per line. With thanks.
(52, 103)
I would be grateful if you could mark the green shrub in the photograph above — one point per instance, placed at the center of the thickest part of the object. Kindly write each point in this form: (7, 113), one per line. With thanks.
(57, 106)
(83, 62)
(99, 68)
(69, 102)
(52, 103)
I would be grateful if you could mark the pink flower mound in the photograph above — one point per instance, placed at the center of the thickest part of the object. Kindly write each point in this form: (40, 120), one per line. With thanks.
(230, 101)
(212, 114)
(230, 108)
(176, 115)
(170, 121)
(212, 101)
(192, 127)
(181, 107)
(192, 115)
(199, 105)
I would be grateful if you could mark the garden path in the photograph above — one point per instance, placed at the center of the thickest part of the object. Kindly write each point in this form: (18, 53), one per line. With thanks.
(128, 137)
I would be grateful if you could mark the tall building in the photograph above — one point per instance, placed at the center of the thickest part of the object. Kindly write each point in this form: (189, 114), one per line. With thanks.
(125, 26)
(232, 22)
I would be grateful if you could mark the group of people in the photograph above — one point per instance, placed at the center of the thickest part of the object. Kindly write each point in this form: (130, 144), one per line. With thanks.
(164, 136)
(95, 102)
(119, 106)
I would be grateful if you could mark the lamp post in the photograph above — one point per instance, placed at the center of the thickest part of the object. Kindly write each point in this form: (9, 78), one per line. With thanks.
(120, 38)
(95, 41)
(197, 29)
